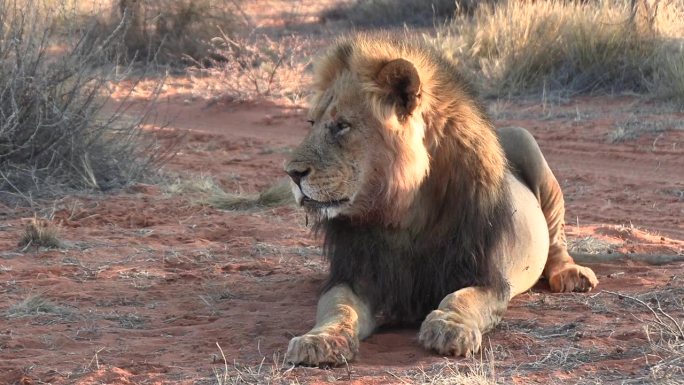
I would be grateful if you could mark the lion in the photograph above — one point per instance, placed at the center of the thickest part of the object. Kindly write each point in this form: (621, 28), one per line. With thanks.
(430, 216)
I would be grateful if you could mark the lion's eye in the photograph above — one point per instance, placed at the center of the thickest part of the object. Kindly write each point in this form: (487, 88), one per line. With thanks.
(340, 128)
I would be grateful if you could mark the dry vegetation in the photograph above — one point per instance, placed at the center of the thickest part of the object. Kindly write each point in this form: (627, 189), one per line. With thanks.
(665, 333)
(389, 13)
(170, 31)
(214, 195)
(277, 195)
(255, 67)
(55, 132)
(37, 306)
(571, 46)
(40, 233)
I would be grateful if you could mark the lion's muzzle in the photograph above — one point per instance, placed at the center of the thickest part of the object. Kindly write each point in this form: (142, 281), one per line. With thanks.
(297, 172)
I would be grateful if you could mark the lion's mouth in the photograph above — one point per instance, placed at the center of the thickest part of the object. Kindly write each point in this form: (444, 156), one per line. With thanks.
(314, 204)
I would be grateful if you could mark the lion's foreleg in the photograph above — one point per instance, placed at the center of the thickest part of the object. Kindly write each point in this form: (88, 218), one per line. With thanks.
(456, 327)
(342, 319)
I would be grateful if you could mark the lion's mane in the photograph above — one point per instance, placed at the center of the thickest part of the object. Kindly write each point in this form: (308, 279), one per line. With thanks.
(443, 230)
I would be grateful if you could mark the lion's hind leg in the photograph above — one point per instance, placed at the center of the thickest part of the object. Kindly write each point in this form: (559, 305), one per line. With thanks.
(567, 276)
(528, 164)
(561, 271)
(342, 319)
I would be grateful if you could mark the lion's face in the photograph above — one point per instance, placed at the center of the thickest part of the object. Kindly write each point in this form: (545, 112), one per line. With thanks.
(330, 167)
(356, 159)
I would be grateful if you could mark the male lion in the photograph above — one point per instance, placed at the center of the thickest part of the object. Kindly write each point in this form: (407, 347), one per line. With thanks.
(429, 214)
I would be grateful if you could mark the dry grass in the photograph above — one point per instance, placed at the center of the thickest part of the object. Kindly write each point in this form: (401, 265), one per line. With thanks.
(193, 184)
(217, 292)
(264, 373)
(519, 47)
(476, 371)
(635, 127)
(279, 194)
(40, 233)
(589, 245)
(665, 333)
(127, 320)
(37, 305)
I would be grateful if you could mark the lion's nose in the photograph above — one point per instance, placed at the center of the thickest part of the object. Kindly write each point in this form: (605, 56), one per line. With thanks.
(297, 173)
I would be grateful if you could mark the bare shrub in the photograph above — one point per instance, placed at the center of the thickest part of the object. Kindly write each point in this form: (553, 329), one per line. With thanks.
(172, 31)
(392, 12)
(57, 130)
(256, 67)
(516, 47)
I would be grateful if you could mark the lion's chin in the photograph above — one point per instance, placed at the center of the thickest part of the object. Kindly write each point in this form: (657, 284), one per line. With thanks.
(329, 209)
(314, 204)
(324, 209)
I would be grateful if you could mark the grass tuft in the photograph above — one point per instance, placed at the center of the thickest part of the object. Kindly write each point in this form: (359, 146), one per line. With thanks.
(36, 305)
(40, 233)
(192, 184)
(589, 245)
(279, 194)
(477, 371)
(274, 372)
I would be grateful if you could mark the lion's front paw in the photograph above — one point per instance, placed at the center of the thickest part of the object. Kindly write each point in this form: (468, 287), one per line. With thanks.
(442, 333)
(321, 349)
(572, 277)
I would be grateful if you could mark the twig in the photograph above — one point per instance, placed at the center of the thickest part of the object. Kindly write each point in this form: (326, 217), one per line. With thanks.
(225, 364)
(397, 377)
(28, 200)
(679, 333)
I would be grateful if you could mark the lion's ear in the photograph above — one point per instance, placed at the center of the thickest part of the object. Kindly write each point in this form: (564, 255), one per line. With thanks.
(399, 79)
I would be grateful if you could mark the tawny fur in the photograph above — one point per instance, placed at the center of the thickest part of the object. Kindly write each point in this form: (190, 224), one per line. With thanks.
(447, 110)
(442, 157)
(423, 217)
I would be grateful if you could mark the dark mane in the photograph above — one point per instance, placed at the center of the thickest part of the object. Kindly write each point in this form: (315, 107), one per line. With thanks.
(456, 230)
(406, 274)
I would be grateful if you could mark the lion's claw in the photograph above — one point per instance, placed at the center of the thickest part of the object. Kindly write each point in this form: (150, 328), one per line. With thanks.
(321, 349)
(447, 336)
(572, 277)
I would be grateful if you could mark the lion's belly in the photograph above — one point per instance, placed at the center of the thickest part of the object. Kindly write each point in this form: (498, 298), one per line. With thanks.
(529, 249)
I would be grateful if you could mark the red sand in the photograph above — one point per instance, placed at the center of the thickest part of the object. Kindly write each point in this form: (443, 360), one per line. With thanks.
(149, 282)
